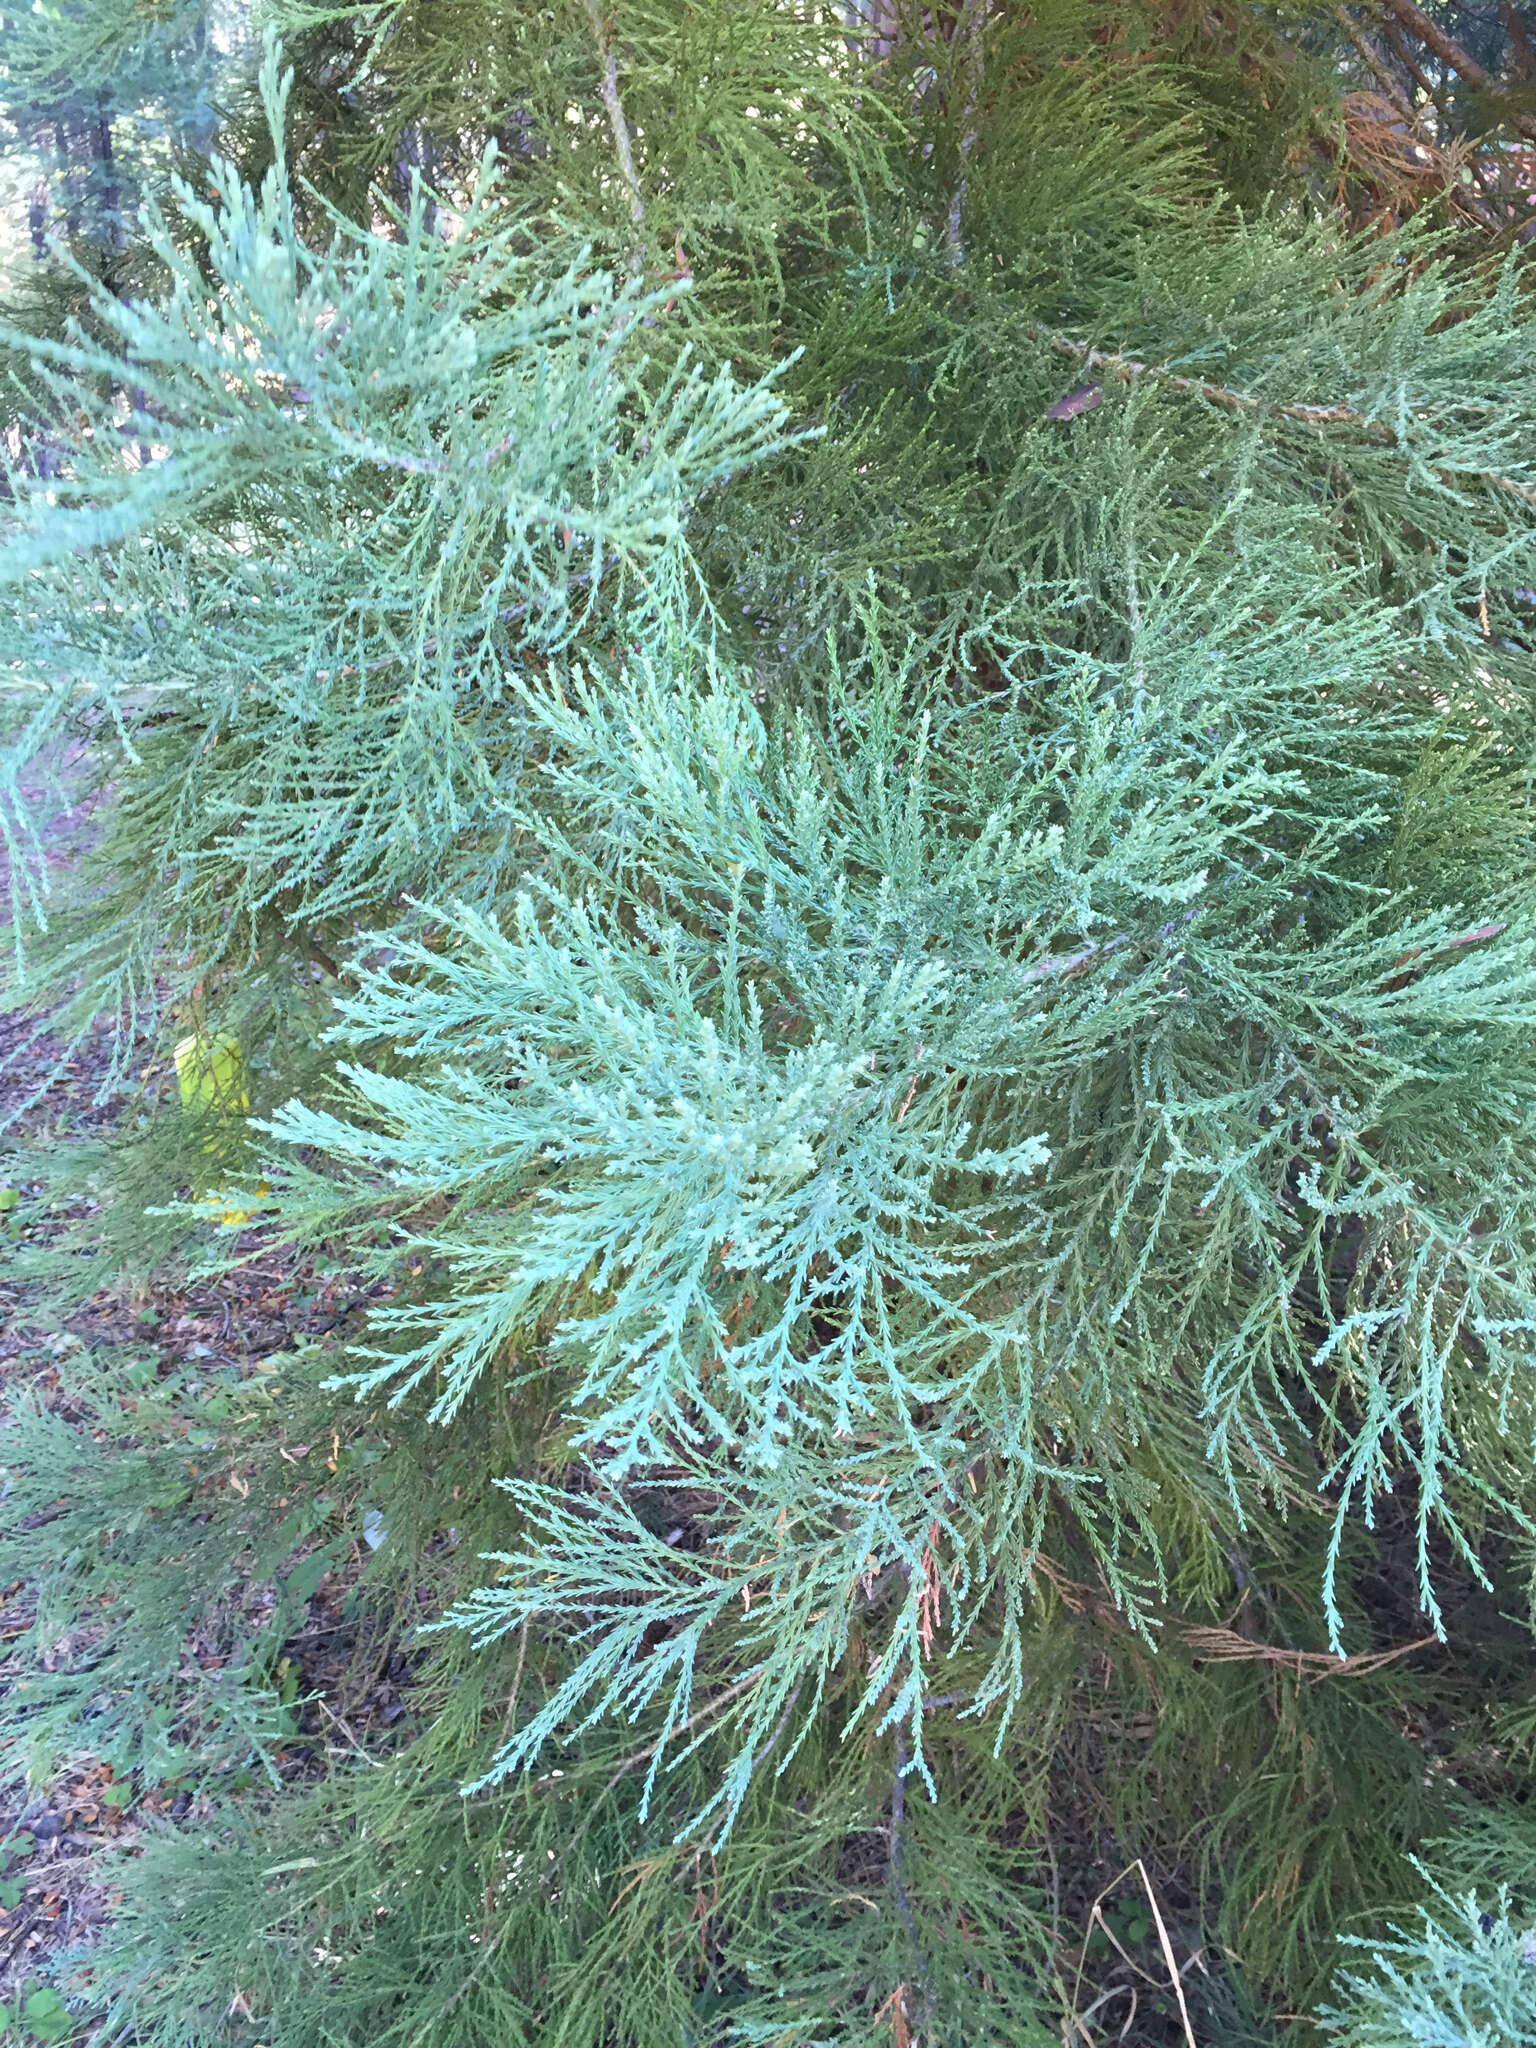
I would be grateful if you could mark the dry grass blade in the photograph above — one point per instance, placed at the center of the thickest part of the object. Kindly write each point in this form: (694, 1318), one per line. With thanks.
(1167, 1947)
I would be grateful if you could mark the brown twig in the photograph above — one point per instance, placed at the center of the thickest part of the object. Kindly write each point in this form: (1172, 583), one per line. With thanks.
(1378, 67)
(1459, 60)
(1475, 937)
(1071, 963)
(1226, 1646)
(1212, 1643)
(1415, 70)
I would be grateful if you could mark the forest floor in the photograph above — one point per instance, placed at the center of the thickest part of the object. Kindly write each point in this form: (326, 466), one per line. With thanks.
(58, 1814)
(54, 1824)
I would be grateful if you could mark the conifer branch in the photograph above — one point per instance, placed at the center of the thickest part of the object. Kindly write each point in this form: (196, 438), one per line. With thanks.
(1377, 431)
(1458, 59)
(901, 1135)
(1376, 65)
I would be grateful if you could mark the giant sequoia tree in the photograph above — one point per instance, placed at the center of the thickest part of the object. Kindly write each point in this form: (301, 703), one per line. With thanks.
(817, 729)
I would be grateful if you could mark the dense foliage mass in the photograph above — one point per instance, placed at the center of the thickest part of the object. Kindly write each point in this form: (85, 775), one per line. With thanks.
(814, 732)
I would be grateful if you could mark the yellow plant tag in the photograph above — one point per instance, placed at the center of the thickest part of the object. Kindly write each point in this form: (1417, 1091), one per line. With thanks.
(211, 1073)
(231, 1218)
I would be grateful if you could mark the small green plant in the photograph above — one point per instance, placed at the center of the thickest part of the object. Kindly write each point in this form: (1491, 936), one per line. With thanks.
(19, 1848)
(39, 2015)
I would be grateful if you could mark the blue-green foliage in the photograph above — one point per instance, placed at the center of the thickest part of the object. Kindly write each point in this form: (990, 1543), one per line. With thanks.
(1466, 1978)
(379, 468)
(97, 47)
(902, 741)
(909, 1105)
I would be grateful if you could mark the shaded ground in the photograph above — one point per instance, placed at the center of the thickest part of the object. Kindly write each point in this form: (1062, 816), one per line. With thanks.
(48, 1834)
(52, 1832)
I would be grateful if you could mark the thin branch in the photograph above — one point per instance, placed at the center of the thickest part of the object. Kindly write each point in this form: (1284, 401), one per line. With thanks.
(517, 1683)
(1459, 60)
(779, 1726)
(968, 33)
(1069, 963)
(1214, 394)
(633, 1761)
(1475, 937)
(623, 145)
(374, 1763)
(326, 964)
(1415, 70)
(1226, 1646)
(710, 1708)
(898, 1878)
(424, 465)
(1214, 1644)
(1380, 70)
